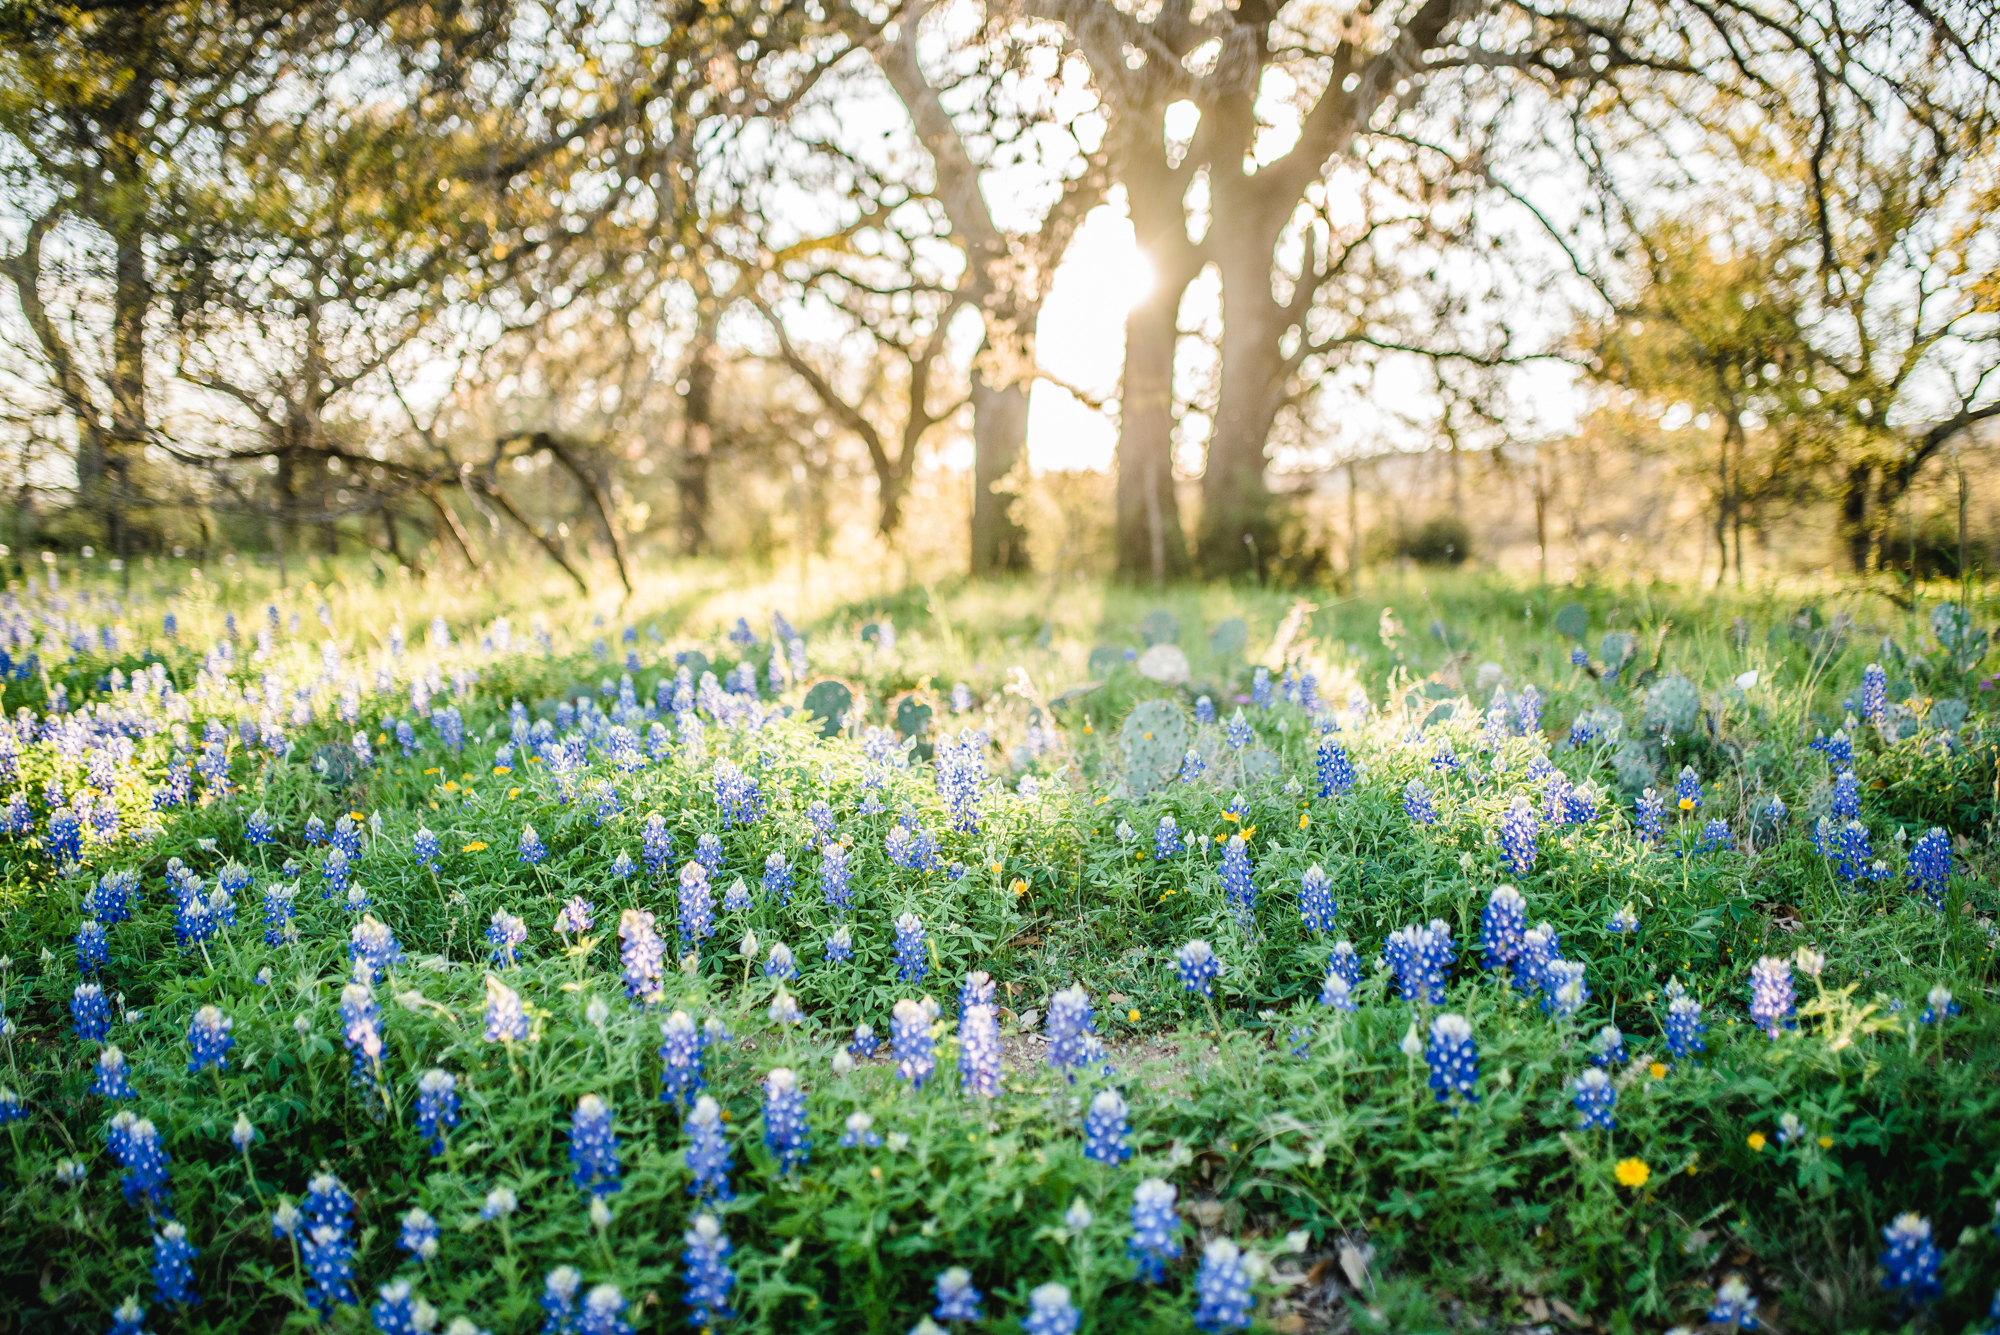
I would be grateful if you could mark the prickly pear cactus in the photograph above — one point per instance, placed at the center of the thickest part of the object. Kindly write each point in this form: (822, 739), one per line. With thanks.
(1153, 740)
(1259, 765)
(1229, 637)
(829, 701)
(1955, 634)
(1948, 715)
(1673, 706)
(1105, 660)
(912, 716)
(1573, 620)
(1633, 766)
(335, 765)
(1617, 648)
(695, 661)
(1160, 627)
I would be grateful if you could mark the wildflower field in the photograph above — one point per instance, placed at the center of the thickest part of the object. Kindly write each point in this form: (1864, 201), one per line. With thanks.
(1458, 956)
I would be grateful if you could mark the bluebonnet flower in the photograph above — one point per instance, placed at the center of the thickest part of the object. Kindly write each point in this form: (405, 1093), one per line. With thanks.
(1502, 925)
(501, 1202)
(506, 1021)
(737, 897)
(1685, 1027)
(957, 1300)
(979, 1050)
(1623, 921)
(280, 905)
(110, 1081)
(601, 1309)
(1222, 1288)
(559, 1288)
(574, 918)
(784, 1008)
(1734, 1306)
(17, 818)
(135, 1143)
(208, 1039)
(1610, 1047)
(128, 1318)
(1528, 711)
(708, 852)
(1104, 1129)
(961, 769)
(1771, 994)
(865, 1042)
(1417, 803)
(1594, 1099)
(1335, 770)
(64, 842)
(1071, 1028)
(315, 831)
(372, 947)
(91, 1012)
(1238, 731)
(1156, 1226)
(643, 955)
(1715, 837)
(1050, 1311)
(329, 1261)
(1540, 947)
(910, 1041)
(1453, 1058)
(1838, 749)
(437, 1107)
(680, 1057)
(1911, 1260)
(424, 847)
(608, 806)
(114, 897)
(911, 961)
(531, 847)
(1167, 838)
(839, 946)
(1422, 957)
(1518, 830)
(860, 1133)
(333, 873)
(708, 1156)
(1647, 818)
(697, 905)
(737, 795)
(13, 1108)
(1930, 866)
(1237, 886)
(820, 816)
(1687, 790)
(785, 1120)
(593, 1147)
(1563, 988)
(1192, 766)
(1198, 966)
(656, 847)
(347, 837)
(1260, 688)
(1337, 991)
(401, 1313)
(1846, 802)
(1874, 693)
(173, 1269)
(1938, 1005)
(1444, 760)
(1316, 905)
(778, 878)
(977, 990)
(705, 1267)
(406, 737)
(91, 953)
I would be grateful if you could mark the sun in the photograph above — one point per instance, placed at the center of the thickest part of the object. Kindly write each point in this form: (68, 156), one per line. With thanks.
(1080, 340)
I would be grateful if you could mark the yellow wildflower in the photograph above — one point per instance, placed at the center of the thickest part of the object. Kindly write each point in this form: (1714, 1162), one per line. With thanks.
(1657, 1070)
(1633, 1173)
(1757, 1142)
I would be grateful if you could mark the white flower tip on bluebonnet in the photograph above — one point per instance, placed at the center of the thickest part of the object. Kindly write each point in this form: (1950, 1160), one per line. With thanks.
(898, 1141)
(564, 1281)
(69, 1172)
(781, 1080)
(1155, 1192)
(927, 1327)
(704, 1230)
(243, 1135)
(1108, 1103)
(859, 1122)
(176, 1231)
(285, 1219)
(596, 1012)
(1413, 1042)
(500, 1202)
(842, 1062)
(1450, 1028)
(129, 1312)
(1297, 1241)
(600, 1213)
(1809, 961)
(1125, 832)
(1939, 999)
(1078, 1217)
(1221, 1252)
(747, 948)
(1049, 1297)
(706, 1111)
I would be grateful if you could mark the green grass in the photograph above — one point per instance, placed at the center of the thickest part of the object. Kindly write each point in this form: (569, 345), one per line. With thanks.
(1481, 1214)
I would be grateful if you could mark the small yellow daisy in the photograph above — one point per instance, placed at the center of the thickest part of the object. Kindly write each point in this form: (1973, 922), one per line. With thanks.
(1657, 1070)
(474, 847)
(1133, 1015)
(1826, 1142)
(1757, 1142)
(1633, 1173)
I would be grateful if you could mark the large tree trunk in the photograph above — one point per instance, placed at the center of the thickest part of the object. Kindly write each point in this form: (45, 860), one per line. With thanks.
(1150, 543)
(999, 438)
(697, 434)
(1854, 516)
(1236, 525)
